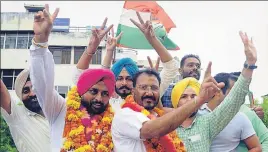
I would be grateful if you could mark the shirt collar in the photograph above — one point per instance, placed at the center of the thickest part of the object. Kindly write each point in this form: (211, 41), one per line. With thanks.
(205, 107)
(191, 124)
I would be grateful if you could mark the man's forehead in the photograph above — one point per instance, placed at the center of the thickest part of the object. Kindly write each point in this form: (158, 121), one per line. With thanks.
(146, 79)
(100, 86)
(27, 84)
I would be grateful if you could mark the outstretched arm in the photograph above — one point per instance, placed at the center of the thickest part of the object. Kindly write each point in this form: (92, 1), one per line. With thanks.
(170, 65)
(170, 121)
(42, 66)
(94, 42)
(225, 112)
(110, 48)
(5, 98)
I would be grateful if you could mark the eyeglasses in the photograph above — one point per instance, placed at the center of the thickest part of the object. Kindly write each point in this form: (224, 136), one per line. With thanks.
(145, 87)
(191, 65)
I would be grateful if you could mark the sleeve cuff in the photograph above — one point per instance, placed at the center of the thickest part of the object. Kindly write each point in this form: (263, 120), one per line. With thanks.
(35, 50)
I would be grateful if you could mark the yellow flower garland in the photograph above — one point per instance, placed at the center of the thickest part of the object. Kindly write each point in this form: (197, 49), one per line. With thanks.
(75, 133)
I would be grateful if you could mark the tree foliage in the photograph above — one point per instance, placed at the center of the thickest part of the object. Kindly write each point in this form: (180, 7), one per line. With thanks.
(265, 109)
(7, 144)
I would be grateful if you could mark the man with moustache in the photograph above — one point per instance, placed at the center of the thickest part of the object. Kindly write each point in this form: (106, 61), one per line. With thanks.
(76, 123)
(198, 131)
(125, 68)
(190, 66)
(140, 126)
(27, 123)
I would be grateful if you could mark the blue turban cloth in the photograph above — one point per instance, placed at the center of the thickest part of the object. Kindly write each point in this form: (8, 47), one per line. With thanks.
(127, 63)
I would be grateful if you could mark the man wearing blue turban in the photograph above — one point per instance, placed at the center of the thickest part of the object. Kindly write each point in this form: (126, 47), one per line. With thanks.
(124, 71)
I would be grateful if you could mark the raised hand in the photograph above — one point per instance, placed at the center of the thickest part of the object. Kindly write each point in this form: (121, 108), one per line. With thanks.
(146, 28)
(151, 63)
(209, 86)
(97, 36)
(112, 41)
(259, 111)
(43, 23)
(250, 50)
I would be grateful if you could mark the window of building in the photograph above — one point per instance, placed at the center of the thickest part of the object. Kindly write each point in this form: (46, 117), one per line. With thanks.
(9, 76)
(62, 90)
(22, 41)
(2, 42)
(78, 51)
(61, 55)
(10, 41)
(30, 40)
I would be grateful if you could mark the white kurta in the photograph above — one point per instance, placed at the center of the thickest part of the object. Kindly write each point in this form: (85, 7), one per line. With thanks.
(30, 131)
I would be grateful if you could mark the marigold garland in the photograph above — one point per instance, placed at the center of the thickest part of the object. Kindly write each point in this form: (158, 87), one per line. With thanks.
(167, 143)
(83, 133)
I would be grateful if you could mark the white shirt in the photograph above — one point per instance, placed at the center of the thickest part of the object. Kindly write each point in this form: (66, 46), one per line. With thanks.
(239, 128)
(52, 104)
(30, 131)
(126, 127)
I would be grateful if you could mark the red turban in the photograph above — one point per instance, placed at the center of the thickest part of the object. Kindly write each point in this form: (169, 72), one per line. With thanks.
(92, 76)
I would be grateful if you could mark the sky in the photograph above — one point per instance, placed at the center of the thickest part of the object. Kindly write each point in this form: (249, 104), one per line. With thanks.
(208, 29)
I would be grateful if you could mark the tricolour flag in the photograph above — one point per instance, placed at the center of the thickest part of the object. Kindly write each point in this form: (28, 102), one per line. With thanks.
(149, 10)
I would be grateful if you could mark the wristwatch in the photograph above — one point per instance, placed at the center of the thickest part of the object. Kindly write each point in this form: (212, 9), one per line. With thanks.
(247, 66)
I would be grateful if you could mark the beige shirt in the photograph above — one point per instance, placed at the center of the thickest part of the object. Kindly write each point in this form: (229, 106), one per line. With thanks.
(30, 131)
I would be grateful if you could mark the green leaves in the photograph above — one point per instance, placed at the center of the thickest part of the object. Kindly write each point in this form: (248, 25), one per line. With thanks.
(6, 141)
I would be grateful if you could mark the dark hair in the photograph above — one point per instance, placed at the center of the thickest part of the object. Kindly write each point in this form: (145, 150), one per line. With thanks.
(188, 56)
(28, 78)
(235, 75)
(223, 77)
(149, 72)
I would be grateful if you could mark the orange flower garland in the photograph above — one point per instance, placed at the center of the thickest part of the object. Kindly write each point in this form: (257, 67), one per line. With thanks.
(167, 143)
(82, 133)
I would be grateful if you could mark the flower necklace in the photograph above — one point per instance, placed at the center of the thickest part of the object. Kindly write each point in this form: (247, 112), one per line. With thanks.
(170, 142)
(83, 133)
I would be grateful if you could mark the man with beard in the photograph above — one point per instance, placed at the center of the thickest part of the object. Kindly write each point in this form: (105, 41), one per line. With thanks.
(125, 68)
(76, 125)
(190, 66)
(198, 132)
(27, 123)
(140, 126)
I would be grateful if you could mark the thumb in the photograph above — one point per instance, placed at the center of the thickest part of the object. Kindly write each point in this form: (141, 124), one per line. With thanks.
(220, 85)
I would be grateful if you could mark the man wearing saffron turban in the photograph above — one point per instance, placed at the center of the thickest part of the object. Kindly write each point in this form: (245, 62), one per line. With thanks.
(75, 124)
(198, 132)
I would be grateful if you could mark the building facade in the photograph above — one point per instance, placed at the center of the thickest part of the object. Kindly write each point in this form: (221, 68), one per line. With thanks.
(66, 46)
(65, 43)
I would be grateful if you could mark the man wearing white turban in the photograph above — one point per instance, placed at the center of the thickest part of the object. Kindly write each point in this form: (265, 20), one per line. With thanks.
(27, 123)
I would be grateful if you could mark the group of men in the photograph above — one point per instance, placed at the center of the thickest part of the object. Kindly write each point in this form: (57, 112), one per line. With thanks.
(122, 108)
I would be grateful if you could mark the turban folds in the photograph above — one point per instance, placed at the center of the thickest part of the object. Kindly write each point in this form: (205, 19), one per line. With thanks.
(127, 63)
(20, 82)
(180, 87)
(92, 76)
